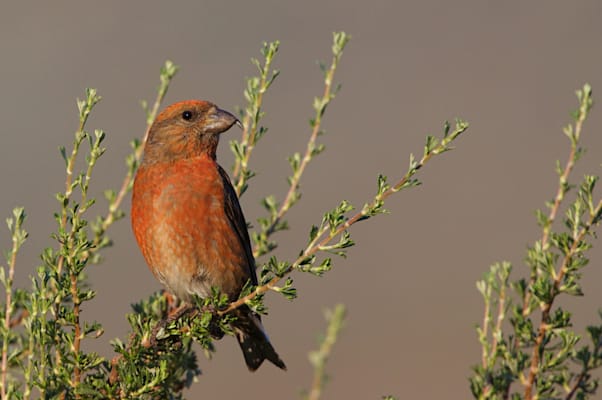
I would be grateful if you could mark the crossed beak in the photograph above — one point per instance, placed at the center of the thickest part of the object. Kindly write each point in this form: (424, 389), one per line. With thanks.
(220, 121)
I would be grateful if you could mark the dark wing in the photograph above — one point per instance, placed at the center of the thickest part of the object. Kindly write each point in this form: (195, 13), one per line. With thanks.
(254, 343)
(237, 220)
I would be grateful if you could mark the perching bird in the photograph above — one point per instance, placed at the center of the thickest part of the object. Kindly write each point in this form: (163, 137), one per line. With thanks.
(187, 219)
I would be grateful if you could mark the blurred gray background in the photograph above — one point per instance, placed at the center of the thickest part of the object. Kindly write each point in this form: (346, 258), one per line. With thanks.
(509, 68)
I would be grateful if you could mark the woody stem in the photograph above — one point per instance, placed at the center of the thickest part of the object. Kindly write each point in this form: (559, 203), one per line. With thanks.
(327, 236)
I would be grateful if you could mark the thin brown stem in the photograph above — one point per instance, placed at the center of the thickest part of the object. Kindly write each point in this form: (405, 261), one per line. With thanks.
(500, 319)
(77, 334)
(489, 353)
(68, 189)
(311, 144)
(320, 107)
(325, 236)
(498, 329)
(7, 318)
(545, 313)
(576, 385)
(551, 218)
(74, 276)
(562, 189)
(554, 209)
(486, 322)
(85, 109)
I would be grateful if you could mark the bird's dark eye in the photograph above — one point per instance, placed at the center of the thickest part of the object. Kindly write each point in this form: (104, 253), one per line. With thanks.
(187, 115)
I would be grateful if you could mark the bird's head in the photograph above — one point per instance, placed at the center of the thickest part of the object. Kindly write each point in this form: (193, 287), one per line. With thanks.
(186, 129)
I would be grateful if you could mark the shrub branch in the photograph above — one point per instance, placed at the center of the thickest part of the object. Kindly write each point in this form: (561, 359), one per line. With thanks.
(319, 358)
(19, 235)
(539, 352)
(331, 233)
(252, 132)
(574, 135)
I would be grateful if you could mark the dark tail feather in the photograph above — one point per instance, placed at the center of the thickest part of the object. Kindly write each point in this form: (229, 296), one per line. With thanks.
(254, 342)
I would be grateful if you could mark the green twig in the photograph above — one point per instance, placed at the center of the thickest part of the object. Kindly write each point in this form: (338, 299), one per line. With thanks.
(574, 134)
(299, 163)
(319, 358)
(19, 235)
(252, 132)
(334, 231)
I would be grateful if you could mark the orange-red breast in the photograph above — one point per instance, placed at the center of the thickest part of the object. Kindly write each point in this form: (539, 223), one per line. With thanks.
(187, 219)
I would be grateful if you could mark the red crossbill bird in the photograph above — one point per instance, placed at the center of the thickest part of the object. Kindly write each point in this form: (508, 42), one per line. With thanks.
(187, 219)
